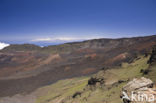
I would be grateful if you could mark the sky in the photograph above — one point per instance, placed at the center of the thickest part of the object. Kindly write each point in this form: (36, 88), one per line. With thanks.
(48, 22)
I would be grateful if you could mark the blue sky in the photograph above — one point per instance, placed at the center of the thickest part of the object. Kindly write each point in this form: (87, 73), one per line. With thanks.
(58, 21)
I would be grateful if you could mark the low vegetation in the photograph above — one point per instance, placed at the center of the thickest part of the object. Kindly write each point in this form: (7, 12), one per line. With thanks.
(79, 90)
(61, 89)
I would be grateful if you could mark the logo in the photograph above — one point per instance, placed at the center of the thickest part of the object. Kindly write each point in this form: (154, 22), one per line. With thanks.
(138, 97)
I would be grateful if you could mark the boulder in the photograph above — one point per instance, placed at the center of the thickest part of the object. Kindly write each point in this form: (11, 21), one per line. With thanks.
(138, 83)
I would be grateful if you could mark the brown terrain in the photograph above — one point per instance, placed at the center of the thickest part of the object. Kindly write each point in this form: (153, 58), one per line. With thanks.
(24, 68)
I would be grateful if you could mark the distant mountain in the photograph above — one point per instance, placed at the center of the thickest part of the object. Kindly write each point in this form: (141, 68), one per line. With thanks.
(24, 68)
(92, 44)
(21, 47)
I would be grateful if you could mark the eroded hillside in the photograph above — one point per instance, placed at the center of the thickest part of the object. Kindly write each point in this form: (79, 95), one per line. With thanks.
(24, 69)
(102, 87)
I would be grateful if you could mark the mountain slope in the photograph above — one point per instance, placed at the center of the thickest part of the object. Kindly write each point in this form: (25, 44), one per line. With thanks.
(107, 91)
(105, 88)
(24, 69)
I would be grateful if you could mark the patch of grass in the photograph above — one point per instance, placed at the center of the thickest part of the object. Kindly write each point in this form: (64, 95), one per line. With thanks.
(61, 89)
(109, 93)
(152, 73)
(132, 70)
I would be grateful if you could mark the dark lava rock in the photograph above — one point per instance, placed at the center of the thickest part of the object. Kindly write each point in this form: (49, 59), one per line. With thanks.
(153, 56)
(94, 80)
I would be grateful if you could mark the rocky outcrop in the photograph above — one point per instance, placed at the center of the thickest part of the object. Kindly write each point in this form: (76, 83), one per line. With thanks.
(94, 81)
(139, 90)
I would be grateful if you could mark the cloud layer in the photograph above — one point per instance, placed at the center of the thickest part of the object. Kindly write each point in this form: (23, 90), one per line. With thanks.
(63, 39)
(3, 45)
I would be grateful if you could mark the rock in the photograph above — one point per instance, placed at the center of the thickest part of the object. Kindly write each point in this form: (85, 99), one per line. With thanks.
(95, 80)
(138, 83)
(76, 94)
(121, 81)
(152, 59)
(139, 90)
(144, 72)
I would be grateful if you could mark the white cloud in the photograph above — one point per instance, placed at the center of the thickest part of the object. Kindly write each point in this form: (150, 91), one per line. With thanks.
(3, 45)
(63, 39)
(42, 39)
